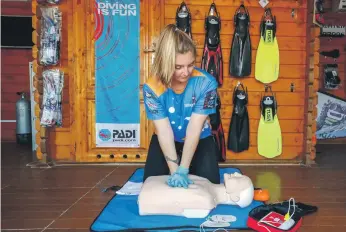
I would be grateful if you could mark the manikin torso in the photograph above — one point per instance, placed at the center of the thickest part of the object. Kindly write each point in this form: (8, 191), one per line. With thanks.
(157, 198)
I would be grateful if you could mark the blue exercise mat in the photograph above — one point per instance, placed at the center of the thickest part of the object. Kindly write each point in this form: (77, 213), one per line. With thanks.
(121, 213)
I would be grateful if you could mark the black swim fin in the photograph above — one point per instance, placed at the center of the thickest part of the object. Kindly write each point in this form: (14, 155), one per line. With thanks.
(218, 133)
(240, 57)
(212, 55)
(183, 19)
(239, 129)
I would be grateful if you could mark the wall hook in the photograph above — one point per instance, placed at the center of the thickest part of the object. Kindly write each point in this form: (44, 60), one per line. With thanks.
(266, 88)
(293, 13)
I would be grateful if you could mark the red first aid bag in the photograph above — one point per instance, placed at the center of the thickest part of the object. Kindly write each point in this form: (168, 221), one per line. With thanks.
(271, 218)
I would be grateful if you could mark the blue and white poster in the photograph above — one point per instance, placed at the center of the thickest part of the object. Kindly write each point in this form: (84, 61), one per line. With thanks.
(331, 116)
(117, 70)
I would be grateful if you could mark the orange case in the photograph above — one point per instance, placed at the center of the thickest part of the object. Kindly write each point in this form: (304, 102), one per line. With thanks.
(261, 195)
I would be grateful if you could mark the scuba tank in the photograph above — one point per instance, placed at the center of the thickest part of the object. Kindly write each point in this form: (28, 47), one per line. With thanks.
(23, 119)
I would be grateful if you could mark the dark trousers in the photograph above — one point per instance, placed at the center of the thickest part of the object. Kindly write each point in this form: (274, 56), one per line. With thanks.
(204, 162)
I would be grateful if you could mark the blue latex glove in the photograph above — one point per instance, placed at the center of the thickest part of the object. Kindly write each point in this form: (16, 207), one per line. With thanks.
(180, 178)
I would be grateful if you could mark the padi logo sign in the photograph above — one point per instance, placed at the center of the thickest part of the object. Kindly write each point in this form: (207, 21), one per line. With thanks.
(121, 9)
(118, 135)
(124, 135)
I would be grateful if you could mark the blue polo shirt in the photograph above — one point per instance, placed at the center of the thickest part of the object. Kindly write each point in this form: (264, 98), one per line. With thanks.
(199, 96)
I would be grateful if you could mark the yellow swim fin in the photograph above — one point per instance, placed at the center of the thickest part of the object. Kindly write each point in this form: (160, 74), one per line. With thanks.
(269, 138)
(267, 63)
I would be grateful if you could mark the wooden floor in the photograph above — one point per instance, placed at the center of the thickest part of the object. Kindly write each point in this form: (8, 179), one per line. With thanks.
(69, 198)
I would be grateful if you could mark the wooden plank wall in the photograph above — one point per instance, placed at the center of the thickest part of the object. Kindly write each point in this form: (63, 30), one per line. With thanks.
(14, 73)
(291, 35)
(332, 18)
(56, 142)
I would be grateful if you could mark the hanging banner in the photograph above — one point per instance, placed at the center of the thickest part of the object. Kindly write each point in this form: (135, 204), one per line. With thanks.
(331, 116)
(117, 69)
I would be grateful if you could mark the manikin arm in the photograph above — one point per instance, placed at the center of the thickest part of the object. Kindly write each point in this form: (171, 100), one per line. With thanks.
(166, 139)
(193, 132)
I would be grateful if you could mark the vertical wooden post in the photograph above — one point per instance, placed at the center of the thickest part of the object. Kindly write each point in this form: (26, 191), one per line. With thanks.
(44, 144)
(42, 135)
(313, 45)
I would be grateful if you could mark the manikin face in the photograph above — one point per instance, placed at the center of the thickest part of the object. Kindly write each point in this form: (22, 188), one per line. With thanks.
(184, 64)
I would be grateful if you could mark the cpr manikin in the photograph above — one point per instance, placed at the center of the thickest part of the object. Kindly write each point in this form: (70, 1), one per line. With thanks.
(157, 198)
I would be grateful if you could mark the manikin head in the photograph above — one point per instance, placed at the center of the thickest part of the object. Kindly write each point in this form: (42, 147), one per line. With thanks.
(239, 188)
(175, 55)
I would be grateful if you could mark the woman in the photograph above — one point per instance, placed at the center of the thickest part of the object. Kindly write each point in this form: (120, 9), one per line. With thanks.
(178, 98)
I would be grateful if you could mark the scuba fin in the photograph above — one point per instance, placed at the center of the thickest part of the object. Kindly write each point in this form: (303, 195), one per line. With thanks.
(239, 132)
(267, 58)
(218, 133)
(269, 138)
(183, 19)
(212, 63)
(212, 55)
(240, 57)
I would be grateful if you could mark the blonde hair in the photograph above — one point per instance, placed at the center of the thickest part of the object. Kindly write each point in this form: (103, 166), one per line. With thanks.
(171, 42)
